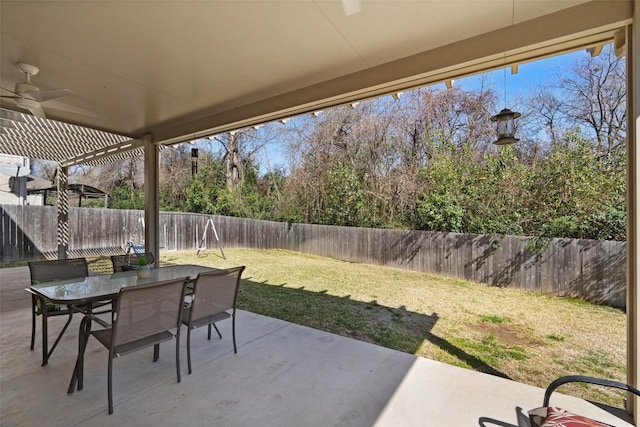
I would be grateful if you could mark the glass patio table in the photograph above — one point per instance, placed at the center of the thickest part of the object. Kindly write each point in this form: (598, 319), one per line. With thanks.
(84, 292)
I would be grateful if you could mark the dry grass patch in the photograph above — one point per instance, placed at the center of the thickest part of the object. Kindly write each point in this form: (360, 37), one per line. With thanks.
(525, 336)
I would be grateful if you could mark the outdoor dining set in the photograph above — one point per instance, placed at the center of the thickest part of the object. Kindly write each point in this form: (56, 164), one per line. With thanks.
(134, 311)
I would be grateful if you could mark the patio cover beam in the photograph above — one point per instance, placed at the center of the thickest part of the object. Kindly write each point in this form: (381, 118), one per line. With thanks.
(633, 209)
(151, 199)
(119, 151)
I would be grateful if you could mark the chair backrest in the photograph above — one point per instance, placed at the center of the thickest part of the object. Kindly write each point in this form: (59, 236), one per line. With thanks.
(146, 310)
(130, 261)
(215, 292)
(44, 271)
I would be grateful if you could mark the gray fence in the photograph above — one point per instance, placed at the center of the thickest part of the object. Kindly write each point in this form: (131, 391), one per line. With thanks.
(588, 269)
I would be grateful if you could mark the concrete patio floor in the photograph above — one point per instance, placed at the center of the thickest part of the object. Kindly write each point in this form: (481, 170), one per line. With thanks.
(283, 375)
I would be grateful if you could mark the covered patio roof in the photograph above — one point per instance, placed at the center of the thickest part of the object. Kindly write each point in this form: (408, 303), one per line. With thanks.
(180, 70)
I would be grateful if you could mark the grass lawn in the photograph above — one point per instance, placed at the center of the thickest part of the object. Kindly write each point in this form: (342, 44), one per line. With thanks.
(525, 336)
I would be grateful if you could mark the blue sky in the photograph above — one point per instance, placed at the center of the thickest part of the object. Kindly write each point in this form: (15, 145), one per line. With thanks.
(530, 75)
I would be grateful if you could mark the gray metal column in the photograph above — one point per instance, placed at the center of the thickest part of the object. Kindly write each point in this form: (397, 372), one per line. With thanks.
(633, 207)
(151, 200)
(63, 211)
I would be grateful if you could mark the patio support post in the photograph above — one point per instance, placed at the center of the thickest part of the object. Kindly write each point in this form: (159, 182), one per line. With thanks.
(63, 211)
(151, 202)
(633, 208)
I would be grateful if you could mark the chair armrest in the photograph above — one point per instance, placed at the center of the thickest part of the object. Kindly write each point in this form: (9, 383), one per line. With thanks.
(42, 303)
(582, 379)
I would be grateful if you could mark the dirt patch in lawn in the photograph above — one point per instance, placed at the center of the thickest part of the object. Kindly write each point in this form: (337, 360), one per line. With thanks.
(507, 334)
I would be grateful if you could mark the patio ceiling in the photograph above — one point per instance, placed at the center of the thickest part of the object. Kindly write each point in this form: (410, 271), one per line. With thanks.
(181, 70)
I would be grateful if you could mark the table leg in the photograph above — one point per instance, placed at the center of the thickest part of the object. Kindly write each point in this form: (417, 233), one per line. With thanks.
(83, 339)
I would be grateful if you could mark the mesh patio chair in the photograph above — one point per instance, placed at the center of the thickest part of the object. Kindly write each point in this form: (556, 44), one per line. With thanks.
(553, 416)
(44, 271)
(214, 294)
(130, 261)
(145, 316)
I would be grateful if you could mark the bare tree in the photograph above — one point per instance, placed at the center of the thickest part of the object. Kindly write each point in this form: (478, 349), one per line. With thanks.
(596, 99)
(591, 98)
(548, 116)
(240, 148)
(43, 168)
(175, 173)
(107, 177)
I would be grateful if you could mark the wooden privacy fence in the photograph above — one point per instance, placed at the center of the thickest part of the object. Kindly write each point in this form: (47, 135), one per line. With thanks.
(588, 269)
(593, 270)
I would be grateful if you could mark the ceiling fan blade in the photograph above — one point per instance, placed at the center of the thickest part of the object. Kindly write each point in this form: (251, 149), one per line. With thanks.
(10, 91)
(38, 112)
(46, 95)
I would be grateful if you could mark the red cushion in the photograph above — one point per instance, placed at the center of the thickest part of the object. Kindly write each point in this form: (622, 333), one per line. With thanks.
(558, 417)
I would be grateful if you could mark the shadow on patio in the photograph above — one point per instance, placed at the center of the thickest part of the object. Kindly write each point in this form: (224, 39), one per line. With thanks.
(283, 375)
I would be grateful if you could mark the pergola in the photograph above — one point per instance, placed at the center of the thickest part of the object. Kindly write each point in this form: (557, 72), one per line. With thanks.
(148, 74)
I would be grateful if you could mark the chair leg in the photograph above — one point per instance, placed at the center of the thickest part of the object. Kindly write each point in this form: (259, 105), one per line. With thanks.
(178, 354)
(156, 352)
(217, 330)
(189, 349)
(209, 331)
(55, 344)
(233, 331)
(45, 332)
(109, 383)
(46, 352)
(34, 307)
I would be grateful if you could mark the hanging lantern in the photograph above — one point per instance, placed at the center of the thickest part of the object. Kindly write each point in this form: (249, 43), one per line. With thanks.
(506, 127)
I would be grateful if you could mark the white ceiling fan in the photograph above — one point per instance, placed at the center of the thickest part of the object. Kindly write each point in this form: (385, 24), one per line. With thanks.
(28, 96)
